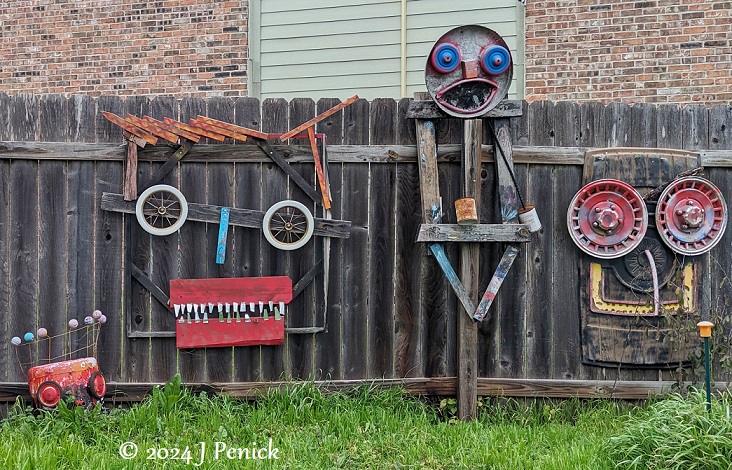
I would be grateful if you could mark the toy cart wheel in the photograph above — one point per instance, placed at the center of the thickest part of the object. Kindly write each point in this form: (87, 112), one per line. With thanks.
(48, 394)
(161, 210)
(288, 225)
(97, 385)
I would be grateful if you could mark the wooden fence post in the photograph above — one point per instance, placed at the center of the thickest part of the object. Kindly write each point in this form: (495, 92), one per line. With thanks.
(467, 335)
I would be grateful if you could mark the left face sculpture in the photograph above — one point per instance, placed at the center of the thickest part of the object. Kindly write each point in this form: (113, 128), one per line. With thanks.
(469, 71)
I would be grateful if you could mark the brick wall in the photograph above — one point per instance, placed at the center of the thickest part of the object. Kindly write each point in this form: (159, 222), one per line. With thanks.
(124, 47)
(634, 51)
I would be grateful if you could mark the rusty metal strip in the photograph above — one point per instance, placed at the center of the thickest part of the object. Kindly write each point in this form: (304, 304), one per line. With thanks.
(219, 130)
(153, 129)
(195, 130)
(129, 127)
(233, 127)
(490, 292)
(319, 168)
(289, 134)
(173, 129)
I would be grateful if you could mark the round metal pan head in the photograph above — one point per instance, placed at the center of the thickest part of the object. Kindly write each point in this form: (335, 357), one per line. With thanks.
(469, 71)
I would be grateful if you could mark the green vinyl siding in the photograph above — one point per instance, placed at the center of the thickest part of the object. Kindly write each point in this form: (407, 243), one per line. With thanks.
(336, 48)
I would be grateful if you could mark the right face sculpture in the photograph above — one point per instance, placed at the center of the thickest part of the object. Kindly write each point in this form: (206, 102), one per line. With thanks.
(468, 71)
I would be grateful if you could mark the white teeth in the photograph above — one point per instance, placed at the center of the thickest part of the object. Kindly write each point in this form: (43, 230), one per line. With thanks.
(232, 310)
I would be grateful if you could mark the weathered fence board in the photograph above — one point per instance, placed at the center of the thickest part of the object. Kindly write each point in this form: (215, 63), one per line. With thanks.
(389, 311)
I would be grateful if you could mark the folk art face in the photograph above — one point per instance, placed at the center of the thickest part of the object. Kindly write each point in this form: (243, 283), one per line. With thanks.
(468, 71)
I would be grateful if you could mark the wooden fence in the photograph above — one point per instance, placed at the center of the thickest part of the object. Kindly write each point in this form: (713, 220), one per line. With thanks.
(389, 313)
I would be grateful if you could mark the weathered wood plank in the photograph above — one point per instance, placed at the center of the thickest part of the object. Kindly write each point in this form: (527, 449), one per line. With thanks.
(24, 252)
(328, 350)
(274, 189)
(564, 290)
(428, 109)
(447, 153)
(409, 342)
(495, 283)
(53, 125)
(695, 127)
(567, 129)
(5, 131)
(165, 259)
(246, 244)
(643, 125)
(53, 258)
(467, 336)
(126, 392)
(194, 256)
(617, 124)
(300, 358)
(23, 117)
(355, 255)
(592, 125)
(382, 207)
(434, 233)
(242, 217)
(7, 331)
(219, 180)
(668, 126)
(428, 175)
(136, 366)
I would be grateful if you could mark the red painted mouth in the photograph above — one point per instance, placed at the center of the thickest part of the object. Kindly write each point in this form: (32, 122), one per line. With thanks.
(468, 96)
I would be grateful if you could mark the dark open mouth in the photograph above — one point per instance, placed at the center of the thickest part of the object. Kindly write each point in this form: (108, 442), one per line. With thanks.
(468, 96)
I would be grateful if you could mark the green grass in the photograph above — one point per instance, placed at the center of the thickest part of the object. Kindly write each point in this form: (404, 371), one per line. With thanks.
(677, 433)
(364, 428)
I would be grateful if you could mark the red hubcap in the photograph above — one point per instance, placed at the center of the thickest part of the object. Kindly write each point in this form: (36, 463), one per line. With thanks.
(691, 215)
(607, 218)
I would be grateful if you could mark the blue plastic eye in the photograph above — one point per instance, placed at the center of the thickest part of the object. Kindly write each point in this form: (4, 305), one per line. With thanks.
(445, 58)
(495, 60)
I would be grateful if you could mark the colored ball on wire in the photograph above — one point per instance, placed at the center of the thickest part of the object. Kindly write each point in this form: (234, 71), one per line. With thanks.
(28, 336)
(42, 332)
(88, 320)
(97, 314)
(15, 341)
(73, 323)
(103, 319)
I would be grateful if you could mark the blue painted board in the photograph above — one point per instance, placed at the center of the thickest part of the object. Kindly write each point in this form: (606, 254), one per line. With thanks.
(223, 232)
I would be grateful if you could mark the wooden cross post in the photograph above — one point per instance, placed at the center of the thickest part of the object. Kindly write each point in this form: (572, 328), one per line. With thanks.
(467, 334)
